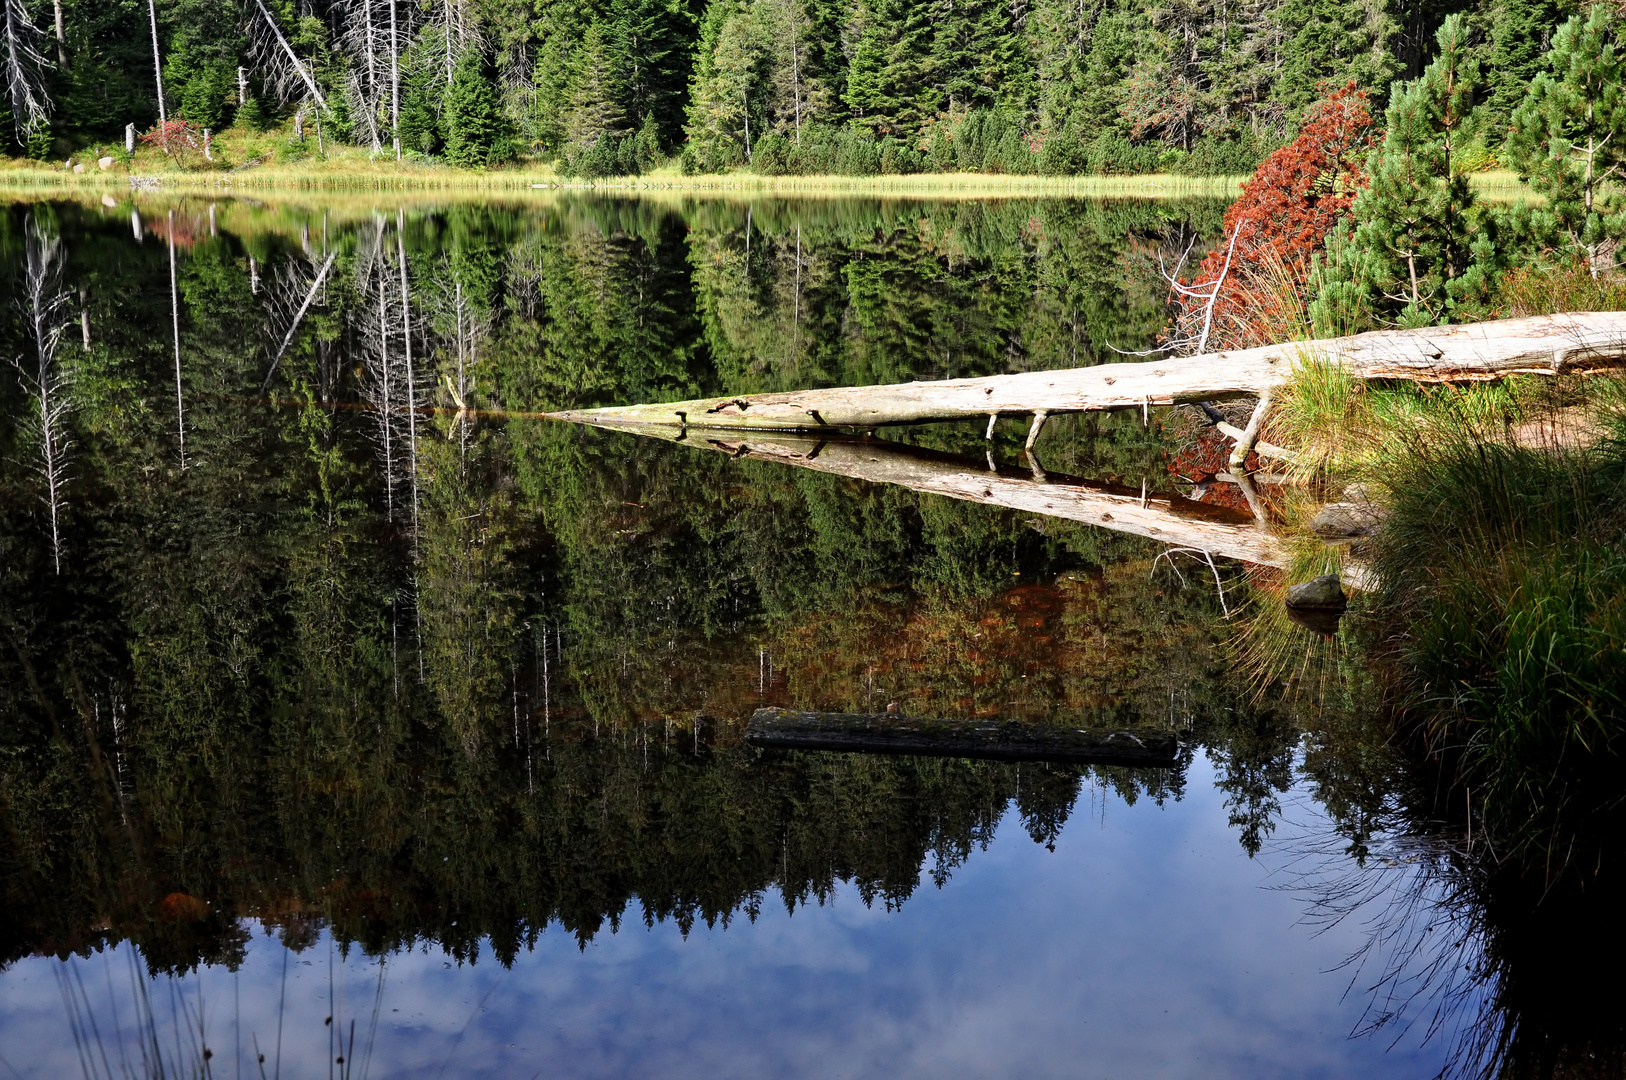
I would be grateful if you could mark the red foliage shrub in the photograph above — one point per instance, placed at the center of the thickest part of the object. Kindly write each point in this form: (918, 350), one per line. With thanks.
(177, 136)
(1280, 222)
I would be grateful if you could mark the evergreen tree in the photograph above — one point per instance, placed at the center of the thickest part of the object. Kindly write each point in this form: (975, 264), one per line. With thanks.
(656, 41)
(1520, 33)
(1420, 244)
(978, 60)
(473, 127)
(728, 88)
(1569, 135)
(1330, 41)
(887, 81)
(597, 90)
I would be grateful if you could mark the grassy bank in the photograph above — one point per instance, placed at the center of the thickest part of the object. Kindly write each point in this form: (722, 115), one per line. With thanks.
(1498, 621)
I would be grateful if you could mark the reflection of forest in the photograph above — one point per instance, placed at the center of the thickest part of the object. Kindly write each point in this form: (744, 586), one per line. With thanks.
(420, 673)
(400, 668)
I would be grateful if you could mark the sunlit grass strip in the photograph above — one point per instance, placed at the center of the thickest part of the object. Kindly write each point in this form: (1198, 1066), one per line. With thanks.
(352, 176)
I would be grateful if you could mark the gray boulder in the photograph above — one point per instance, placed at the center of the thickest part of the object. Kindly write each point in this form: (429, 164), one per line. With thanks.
(1323, 592)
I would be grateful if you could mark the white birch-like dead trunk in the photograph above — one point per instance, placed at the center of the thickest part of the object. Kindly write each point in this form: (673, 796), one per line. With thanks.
(158, 75)
(1544, 345)
(43, 302)
(25, 73)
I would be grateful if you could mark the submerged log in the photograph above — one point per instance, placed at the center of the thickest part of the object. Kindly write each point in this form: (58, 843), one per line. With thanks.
(1169, 518)
(1002, 740)
(1546, 345)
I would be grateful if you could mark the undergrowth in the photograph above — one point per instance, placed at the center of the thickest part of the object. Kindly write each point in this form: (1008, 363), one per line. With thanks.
(1500, 625)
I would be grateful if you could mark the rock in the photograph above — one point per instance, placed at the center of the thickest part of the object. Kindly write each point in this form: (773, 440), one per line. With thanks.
(1323, 592)
(1323, 622)
(105, 162)
(1346, 520)
(110, 202)
(78, 168)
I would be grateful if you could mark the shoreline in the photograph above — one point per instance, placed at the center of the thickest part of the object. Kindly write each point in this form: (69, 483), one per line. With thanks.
(353, 177)
(365, 178)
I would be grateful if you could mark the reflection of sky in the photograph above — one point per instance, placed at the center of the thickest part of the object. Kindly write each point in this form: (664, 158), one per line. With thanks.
(1146, 945)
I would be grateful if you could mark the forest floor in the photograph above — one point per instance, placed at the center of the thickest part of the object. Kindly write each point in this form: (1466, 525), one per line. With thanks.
(271, 161)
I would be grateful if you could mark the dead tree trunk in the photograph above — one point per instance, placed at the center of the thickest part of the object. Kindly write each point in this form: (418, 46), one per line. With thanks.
(1545, 345)
(1167, 518)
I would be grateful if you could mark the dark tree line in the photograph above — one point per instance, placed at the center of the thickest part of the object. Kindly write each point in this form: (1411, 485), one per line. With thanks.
(849, 86)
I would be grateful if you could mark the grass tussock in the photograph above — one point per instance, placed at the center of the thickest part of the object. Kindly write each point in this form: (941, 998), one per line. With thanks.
(1501, 625)
(1351, 428)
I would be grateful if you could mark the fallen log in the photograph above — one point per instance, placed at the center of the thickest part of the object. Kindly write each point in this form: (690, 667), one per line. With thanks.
(1000, 740)
(1546, 345)
(1167, 517)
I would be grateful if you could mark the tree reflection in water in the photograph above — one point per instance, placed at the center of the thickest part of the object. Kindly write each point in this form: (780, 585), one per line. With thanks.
(389, 661)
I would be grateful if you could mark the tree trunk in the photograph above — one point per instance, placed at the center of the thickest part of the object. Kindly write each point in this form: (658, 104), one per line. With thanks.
(1167, 518)
(1544, 345)
(158, 76)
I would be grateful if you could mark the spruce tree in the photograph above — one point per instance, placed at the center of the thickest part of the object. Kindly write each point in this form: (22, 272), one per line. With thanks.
(1329, 41)
(886, 80)
(1569, 135)
(473, 125)
(595, 94)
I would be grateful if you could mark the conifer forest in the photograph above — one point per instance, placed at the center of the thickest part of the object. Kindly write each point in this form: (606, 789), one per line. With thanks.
(855, 87)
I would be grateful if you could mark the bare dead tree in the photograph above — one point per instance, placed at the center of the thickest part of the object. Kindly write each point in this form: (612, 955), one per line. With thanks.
(391, 383)
(175, 329)
(43, 305)
(290, 298)
(25, 73)
(366, 39)
(158, 74)
(288, 76)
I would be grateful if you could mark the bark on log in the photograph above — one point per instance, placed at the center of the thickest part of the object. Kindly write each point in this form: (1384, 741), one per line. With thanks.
(1001, 740)
(1547, 345)
(1168, 518)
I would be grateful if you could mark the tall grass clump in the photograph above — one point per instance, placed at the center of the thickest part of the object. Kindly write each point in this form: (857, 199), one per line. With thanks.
(1501, 625)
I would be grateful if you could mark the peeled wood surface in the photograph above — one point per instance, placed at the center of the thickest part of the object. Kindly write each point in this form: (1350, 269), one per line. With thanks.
(1545, 344)
(1004, 740)
(1168, 518)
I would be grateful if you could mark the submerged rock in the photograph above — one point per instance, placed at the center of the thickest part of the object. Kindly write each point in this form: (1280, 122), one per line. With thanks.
(1322, 622)
(1324, 592)
(1346, 520)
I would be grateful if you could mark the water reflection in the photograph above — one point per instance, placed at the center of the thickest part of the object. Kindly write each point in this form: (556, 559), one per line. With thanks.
(382, 663)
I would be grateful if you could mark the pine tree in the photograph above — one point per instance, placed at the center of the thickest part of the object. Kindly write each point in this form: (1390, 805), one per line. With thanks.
(473, 126)
(1420, 243)
(1569, 135)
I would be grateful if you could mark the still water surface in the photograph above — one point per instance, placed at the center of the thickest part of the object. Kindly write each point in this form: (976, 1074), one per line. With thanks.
(338, 684)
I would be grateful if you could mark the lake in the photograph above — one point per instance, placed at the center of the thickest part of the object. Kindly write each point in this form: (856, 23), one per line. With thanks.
(352, 709)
